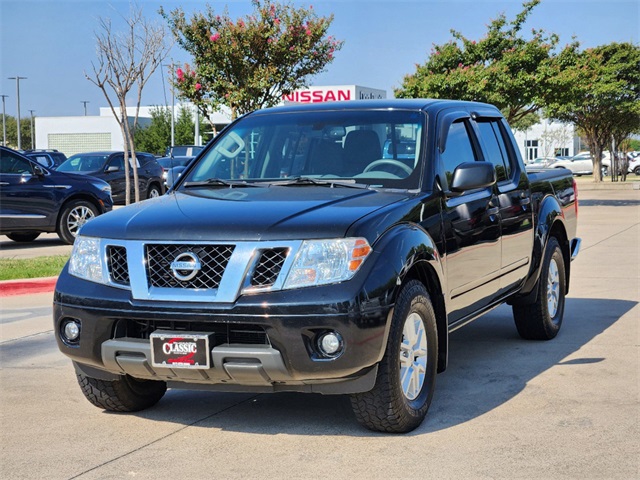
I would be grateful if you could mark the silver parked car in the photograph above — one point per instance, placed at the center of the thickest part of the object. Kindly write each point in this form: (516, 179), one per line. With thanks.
(582, 164)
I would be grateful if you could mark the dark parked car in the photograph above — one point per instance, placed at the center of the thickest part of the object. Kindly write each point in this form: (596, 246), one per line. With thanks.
(48, 158)
(34, 199)
(183, 151)
(109, 166)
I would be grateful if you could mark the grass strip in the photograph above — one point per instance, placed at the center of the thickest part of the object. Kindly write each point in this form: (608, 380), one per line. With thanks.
(18, 268)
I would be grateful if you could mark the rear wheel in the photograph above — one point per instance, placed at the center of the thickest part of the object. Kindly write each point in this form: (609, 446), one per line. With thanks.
(74, 215)
(126, 394)
(23, 236)
(542, 319)
(404, 387)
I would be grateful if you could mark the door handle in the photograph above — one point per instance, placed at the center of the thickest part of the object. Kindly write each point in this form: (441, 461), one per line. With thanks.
(4, 183)
(525, 201)
(493, 211)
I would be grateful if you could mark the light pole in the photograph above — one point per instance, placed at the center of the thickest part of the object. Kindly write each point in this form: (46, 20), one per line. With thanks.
(17, 79)
(173, 124)
(32, 144)
(4, 124)
(84, 102)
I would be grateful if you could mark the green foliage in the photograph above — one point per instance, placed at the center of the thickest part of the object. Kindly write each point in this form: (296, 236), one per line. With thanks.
(502, 68)
(600, 94)
(156, 137)
(250, 63)
(25, 132)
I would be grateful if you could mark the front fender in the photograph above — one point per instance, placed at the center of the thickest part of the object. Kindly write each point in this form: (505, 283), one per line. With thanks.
(400, 251)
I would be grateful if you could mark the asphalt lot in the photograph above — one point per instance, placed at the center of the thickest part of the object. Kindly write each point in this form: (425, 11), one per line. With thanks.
(506, 408)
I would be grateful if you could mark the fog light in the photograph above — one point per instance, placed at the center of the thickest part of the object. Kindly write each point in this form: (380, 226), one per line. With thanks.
(330, 344)
(71, 330)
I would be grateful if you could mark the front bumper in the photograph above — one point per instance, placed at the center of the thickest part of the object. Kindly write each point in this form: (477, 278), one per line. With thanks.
(115, 328)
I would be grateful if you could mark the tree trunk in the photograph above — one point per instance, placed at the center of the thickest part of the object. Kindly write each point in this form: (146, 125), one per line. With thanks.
(125, 140)
(596, 157)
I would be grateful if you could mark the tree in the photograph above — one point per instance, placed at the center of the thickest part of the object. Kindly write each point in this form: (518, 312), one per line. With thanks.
(600, 94)
(503, 68)
(125, 62)
(156, 137)
(252, 62)
(12, 131)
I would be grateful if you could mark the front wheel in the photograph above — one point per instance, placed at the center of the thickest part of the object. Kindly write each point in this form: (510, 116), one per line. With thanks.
(542, 319)
(153, 192)
(404, 387)
(126, 394)
(605, 171)
(74, 215)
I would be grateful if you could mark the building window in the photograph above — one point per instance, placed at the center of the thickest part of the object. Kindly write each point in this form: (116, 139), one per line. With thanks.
(531, 147)
(72, 143)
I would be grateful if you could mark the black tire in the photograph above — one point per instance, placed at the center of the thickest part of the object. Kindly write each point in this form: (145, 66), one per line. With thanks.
(637, 171)
(542, 320)
(74, 214)
(388, 407)
(23, 236)
(126, 394)
(154, 191)
(605, 171)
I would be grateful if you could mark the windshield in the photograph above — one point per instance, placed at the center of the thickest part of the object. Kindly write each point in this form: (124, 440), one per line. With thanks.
(83, 163)
(380, 148)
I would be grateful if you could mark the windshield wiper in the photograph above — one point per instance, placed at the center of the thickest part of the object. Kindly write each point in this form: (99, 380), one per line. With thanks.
(218, 182)
(331, 183)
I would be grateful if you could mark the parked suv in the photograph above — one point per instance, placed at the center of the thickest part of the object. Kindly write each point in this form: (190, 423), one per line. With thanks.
(48, 158)
(109, 166)
(34, 199)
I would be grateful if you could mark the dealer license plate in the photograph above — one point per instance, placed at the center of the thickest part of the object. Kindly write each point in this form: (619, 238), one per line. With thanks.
(180, 350)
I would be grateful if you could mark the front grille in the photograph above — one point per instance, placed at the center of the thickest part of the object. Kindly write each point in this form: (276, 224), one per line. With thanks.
(117, 263)
(213, 259)
(268, 267)
(224, 333)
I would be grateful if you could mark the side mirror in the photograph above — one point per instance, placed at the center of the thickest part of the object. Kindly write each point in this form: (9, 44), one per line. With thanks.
(112, 168)
(473, 175)
(39, 171)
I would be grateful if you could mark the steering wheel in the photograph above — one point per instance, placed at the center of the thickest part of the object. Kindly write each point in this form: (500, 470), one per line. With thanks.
(388, 161)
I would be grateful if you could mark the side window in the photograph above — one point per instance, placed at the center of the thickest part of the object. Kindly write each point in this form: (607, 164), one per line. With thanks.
(458, 149)
(117, 161)
(13, 164)
(494, 148)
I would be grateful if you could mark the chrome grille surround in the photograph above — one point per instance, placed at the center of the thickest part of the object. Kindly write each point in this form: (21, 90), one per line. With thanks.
(245, 261)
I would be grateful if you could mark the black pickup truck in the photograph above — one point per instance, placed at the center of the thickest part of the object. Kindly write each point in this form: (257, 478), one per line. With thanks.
(303, 251)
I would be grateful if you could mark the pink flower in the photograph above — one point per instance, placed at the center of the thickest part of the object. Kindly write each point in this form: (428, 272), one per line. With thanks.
(179, 73)
(269, 40)
(473, 42)
(197, 86)
(240, 23)
(276, 21)
(193, 74)
(291, 49)
(214, 37)
(308, 32)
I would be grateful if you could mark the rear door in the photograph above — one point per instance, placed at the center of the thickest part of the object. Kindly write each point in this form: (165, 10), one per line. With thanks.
(514, 197)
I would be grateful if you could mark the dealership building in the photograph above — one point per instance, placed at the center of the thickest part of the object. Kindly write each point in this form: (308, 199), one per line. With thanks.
(78, 134)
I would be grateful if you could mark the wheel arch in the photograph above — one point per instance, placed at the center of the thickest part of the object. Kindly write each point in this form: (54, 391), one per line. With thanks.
(81, 197)
(414, 256)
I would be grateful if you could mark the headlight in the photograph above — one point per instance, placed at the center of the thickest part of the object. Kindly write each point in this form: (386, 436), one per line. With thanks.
(320, 262)
(85, 261)
(101, 186)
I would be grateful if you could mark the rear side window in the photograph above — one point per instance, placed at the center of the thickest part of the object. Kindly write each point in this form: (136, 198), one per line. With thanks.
(494, 148)
(458, 149)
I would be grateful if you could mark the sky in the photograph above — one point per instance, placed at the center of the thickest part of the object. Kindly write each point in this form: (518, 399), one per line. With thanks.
(52, 43)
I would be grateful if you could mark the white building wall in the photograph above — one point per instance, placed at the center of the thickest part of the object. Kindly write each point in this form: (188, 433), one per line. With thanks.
(545, 139)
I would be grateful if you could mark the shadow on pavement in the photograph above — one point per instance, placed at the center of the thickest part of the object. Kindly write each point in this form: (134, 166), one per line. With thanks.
(488, 366)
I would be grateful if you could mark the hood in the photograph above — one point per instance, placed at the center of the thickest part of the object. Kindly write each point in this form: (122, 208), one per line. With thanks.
(243, 214)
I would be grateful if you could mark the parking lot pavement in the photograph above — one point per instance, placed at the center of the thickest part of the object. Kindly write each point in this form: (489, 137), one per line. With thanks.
(505, 408)
(46, 244)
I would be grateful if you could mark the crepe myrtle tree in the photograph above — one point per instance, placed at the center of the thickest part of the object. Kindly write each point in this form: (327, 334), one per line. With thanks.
(503, 68)
(251, 62)
(600, 94)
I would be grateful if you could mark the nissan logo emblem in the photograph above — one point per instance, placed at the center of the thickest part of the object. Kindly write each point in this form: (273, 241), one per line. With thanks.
(185, 266)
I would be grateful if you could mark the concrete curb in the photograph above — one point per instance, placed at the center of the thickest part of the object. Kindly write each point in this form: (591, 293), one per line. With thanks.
(608, 185)
(27, 286)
